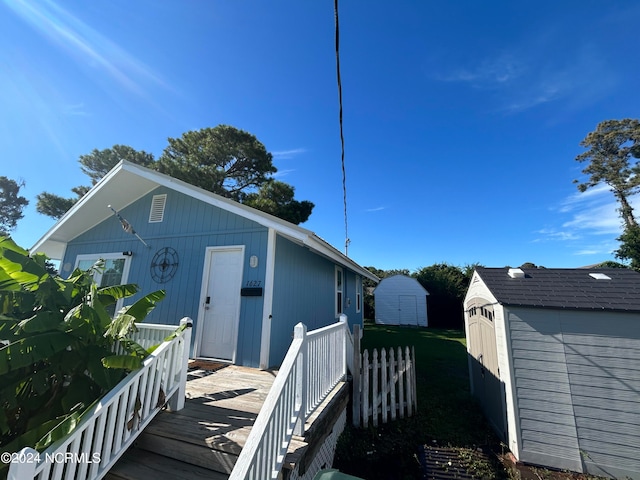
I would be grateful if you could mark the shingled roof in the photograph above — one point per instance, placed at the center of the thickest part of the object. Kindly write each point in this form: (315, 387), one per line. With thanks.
(570, 288)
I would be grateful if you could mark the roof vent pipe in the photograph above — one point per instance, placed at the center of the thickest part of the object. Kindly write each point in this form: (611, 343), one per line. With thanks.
(516, 273)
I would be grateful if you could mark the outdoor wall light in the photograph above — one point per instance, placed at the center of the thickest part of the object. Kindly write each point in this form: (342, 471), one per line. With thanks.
(128, 253)
(253, 261)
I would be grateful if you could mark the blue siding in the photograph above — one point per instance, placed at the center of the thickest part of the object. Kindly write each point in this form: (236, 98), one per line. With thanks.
(304, 291)
(189, 227)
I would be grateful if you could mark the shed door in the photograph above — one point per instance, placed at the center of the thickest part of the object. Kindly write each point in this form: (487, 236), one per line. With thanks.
(486, 376)
(223, 277)
(408, 306)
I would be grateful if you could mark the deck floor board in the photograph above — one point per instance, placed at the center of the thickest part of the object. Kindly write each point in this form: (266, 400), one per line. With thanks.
(208, 434)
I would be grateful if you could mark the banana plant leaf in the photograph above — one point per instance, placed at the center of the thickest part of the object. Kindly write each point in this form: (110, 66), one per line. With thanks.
(7, 244)
(127, 362)
(120, 327)
(115, 292)
(43, 435)
(23, 270)
(8, 283)
(106, 378)
(29, 350)
(168, 338)
(134, 348)
(42, 321)
(62, 429)
(141, 308)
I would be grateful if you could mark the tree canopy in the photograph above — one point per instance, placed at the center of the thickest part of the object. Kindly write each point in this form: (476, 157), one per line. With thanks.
(276, 198)
(613, 153)
(95, 165)
(99, 162)
(11, 204)
(611, 148)
(223, 160)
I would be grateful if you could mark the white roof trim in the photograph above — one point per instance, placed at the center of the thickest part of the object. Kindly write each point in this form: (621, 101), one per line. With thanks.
(127, 182)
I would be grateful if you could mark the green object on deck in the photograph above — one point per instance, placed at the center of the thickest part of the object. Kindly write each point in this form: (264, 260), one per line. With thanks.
(334, 474)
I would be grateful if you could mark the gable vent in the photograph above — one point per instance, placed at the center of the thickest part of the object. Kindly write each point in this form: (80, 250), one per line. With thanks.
(516, 273)
(156, 214)
(600, 276)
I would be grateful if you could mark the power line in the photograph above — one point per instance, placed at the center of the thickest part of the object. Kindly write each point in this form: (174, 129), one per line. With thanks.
(344, 174)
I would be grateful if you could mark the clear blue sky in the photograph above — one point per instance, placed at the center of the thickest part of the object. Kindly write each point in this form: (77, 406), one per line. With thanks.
(461, 119)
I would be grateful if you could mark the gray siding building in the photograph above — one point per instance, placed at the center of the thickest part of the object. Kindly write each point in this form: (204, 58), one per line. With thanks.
(554, 359)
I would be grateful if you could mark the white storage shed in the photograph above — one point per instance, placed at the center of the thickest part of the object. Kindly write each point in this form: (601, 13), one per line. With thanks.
(401, 300)
(554, 359)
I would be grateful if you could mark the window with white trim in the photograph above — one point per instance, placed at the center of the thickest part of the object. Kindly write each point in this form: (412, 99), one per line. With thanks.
(358, 294)
(115, 272)
(339, 290)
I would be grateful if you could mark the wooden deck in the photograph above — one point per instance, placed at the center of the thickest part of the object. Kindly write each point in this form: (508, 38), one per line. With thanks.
(205, 438)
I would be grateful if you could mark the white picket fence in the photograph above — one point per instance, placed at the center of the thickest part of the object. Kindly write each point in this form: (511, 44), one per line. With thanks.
(111, 426)
(315, 363)
(385, 388)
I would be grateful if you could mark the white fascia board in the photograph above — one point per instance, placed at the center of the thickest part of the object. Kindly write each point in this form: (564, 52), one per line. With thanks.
(72, 211)
(322, 247)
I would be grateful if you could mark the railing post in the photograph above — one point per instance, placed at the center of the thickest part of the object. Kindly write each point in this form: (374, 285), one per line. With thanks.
(25, 464)
(176, 402)
(300, 332)
(345, 333)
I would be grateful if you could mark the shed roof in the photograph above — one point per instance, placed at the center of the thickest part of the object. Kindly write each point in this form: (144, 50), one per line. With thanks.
(399, 281)
(565, 288)
(127, 182)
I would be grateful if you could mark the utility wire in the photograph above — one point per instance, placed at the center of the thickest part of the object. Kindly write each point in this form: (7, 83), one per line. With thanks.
(344, 174)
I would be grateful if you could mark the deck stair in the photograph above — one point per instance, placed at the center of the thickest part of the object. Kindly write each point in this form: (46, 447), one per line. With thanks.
(205, 438)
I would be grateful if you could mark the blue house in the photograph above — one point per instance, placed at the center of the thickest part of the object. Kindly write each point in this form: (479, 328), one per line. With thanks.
(245, 277)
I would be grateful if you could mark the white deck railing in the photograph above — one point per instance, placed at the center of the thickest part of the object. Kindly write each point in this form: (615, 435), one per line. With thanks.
(110, 427)
(315, 363)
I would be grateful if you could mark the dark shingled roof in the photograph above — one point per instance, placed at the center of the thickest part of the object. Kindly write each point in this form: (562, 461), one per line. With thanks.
(571, 288)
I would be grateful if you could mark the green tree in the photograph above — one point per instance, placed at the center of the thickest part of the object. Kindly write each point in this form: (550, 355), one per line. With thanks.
(611, 264)
(276, 198)
(95, 165)
(11, 204)
(447, 286)
(611, 148)
(55, 206)
(99, 162)
(223, 160)
(629, 249)
(530, 265)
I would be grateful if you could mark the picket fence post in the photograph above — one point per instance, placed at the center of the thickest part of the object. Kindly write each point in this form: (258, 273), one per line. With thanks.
(357, 375)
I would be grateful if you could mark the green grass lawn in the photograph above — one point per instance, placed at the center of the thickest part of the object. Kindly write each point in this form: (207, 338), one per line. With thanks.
(447, 414)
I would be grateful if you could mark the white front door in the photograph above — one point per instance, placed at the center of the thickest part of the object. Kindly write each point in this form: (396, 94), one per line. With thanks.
(222, 281)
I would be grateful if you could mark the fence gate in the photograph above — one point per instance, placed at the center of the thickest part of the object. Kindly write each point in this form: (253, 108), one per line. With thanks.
(385, 387)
